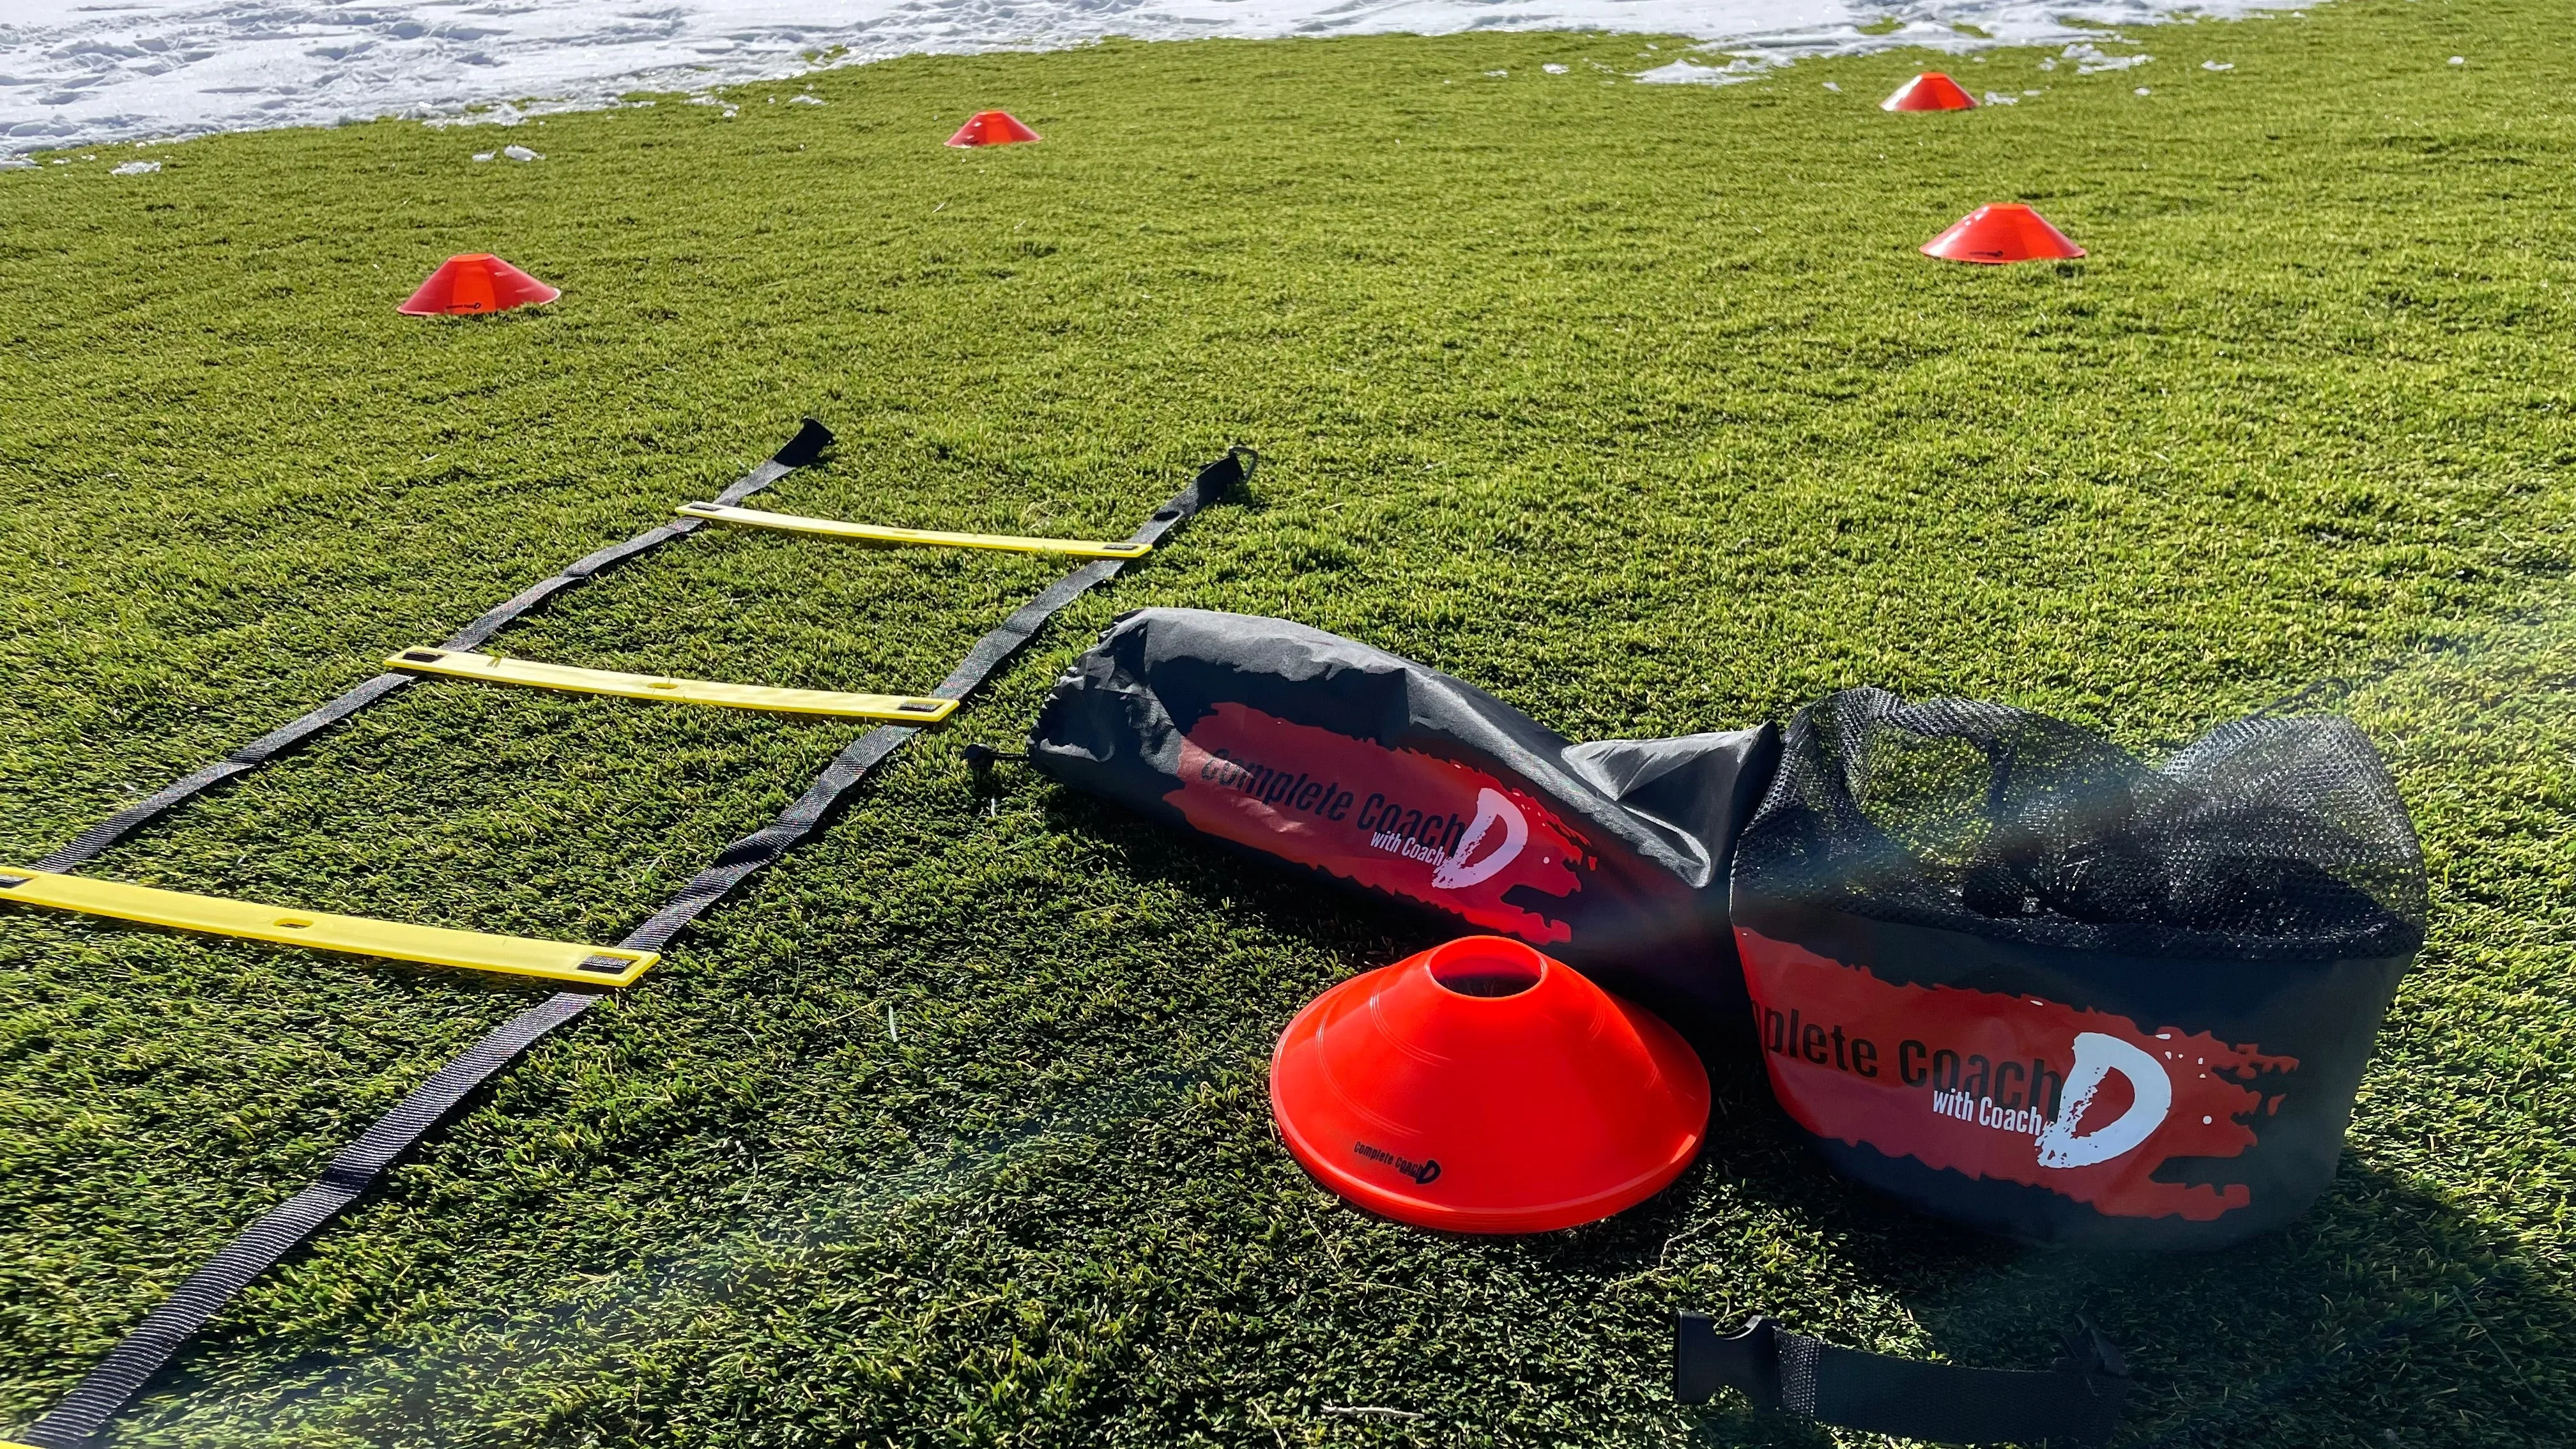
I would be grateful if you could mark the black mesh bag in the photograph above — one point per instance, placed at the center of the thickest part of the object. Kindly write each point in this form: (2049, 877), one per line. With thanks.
(1378, 774)
(2010, 973)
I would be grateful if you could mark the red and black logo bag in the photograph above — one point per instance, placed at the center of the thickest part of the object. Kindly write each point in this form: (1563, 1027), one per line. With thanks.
(1381, 775)
(2006, 971)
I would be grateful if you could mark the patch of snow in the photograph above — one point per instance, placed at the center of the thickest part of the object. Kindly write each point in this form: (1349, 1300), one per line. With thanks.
(117, 70)
(2218, 65)
(2143, 91)
(805, 100)
(1553, 69)
(522, 153)
(136, 168)
(1683, 73)
(2459, 60)
(1837, 90)
(1998, 98)
(2091, 59)
(485, 155)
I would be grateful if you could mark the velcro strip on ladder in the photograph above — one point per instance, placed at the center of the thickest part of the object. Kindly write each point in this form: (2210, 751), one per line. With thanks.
(463, 664)
(321, 931)
(931, 538)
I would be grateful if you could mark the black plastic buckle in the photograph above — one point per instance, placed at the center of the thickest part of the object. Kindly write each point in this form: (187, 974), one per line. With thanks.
(1747, 1360)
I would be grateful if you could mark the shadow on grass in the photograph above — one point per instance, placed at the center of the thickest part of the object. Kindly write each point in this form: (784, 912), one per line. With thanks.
(2385, 1315)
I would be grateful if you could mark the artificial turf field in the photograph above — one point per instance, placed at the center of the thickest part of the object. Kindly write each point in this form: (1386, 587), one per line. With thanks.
(1631, 403)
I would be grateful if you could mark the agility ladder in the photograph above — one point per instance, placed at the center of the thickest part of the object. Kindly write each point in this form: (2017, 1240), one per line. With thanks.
(151, 1344)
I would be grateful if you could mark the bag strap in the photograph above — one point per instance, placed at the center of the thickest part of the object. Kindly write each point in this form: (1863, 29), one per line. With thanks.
(2075, 1402)
(178, 1319)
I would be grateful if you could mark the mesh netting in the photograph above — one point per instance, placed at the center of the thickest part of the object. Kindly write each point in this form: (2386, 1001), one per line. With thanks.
(2280, 838)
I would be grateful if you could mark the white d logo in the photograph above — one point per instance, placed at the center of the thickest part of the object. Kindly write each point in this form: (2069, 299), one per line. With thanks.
(1491, 809)
(2096, 1058)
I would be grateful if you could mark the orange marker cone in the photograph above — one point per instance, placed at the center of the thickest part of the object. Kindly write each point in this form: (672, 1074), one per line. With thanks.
(1930, 91)
(476, 282)
(1481, 1087)
(991, 128)
(2004, 232)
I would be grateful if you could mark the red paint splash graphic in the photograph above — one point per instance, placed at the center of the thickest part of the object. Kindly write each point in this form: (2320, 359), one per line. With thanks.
(1411, 824)
(2082, 1103)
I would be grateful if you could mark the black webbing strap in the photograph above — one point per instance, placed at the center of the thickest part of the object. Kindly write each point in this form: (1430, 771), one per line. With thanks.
(804, 448)
(178, 1318)
(71, 1423)
(2076, 1402)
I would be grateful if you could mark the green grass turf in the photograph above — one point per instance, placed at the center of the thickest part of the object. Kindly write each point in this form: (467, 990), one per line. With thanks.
(1632, 403)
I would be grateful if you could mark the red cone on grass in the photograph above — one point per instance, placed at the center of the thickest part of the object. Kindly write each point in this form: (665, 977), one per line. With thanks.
(991, 128)
(476, 282)
(1481, 1087)
(1930, 91)
(2003, 232)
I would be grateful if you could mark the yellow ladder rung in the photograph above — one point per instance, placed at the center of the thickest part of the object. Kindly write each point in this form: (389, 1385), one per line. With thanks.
(893, 708)
(876, 533)
(322, 931)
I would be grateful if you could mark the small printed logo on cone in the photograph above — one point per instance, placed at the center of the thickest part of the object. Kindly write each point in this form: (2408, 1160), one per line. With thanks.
(474, 283)
(1930, 91)
(2000, 233)
(991, 128)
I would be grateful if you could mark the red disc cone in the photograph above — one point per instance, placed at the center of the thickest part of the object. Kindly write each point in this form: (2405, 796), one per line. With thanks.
(1930, 91)
(2004, 232)
(476, 282)
(991, 128)
(1481, 1087)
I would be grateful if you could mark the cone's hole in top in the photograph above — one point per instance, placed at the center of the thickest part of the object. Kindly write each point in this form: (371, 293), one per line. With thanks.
(1487, 966)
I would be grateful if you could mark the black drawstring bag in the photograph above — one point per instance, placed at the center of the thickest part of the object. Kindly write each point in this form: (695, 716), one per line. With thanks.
(2007, 972)
(1382, 775)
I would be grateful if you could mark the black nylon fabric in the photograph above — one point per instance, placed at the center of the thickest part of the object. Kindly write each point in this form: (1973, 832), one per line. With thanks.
(804, 448)
(171, 1325)
(1375, 772)
(2076, 1402)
